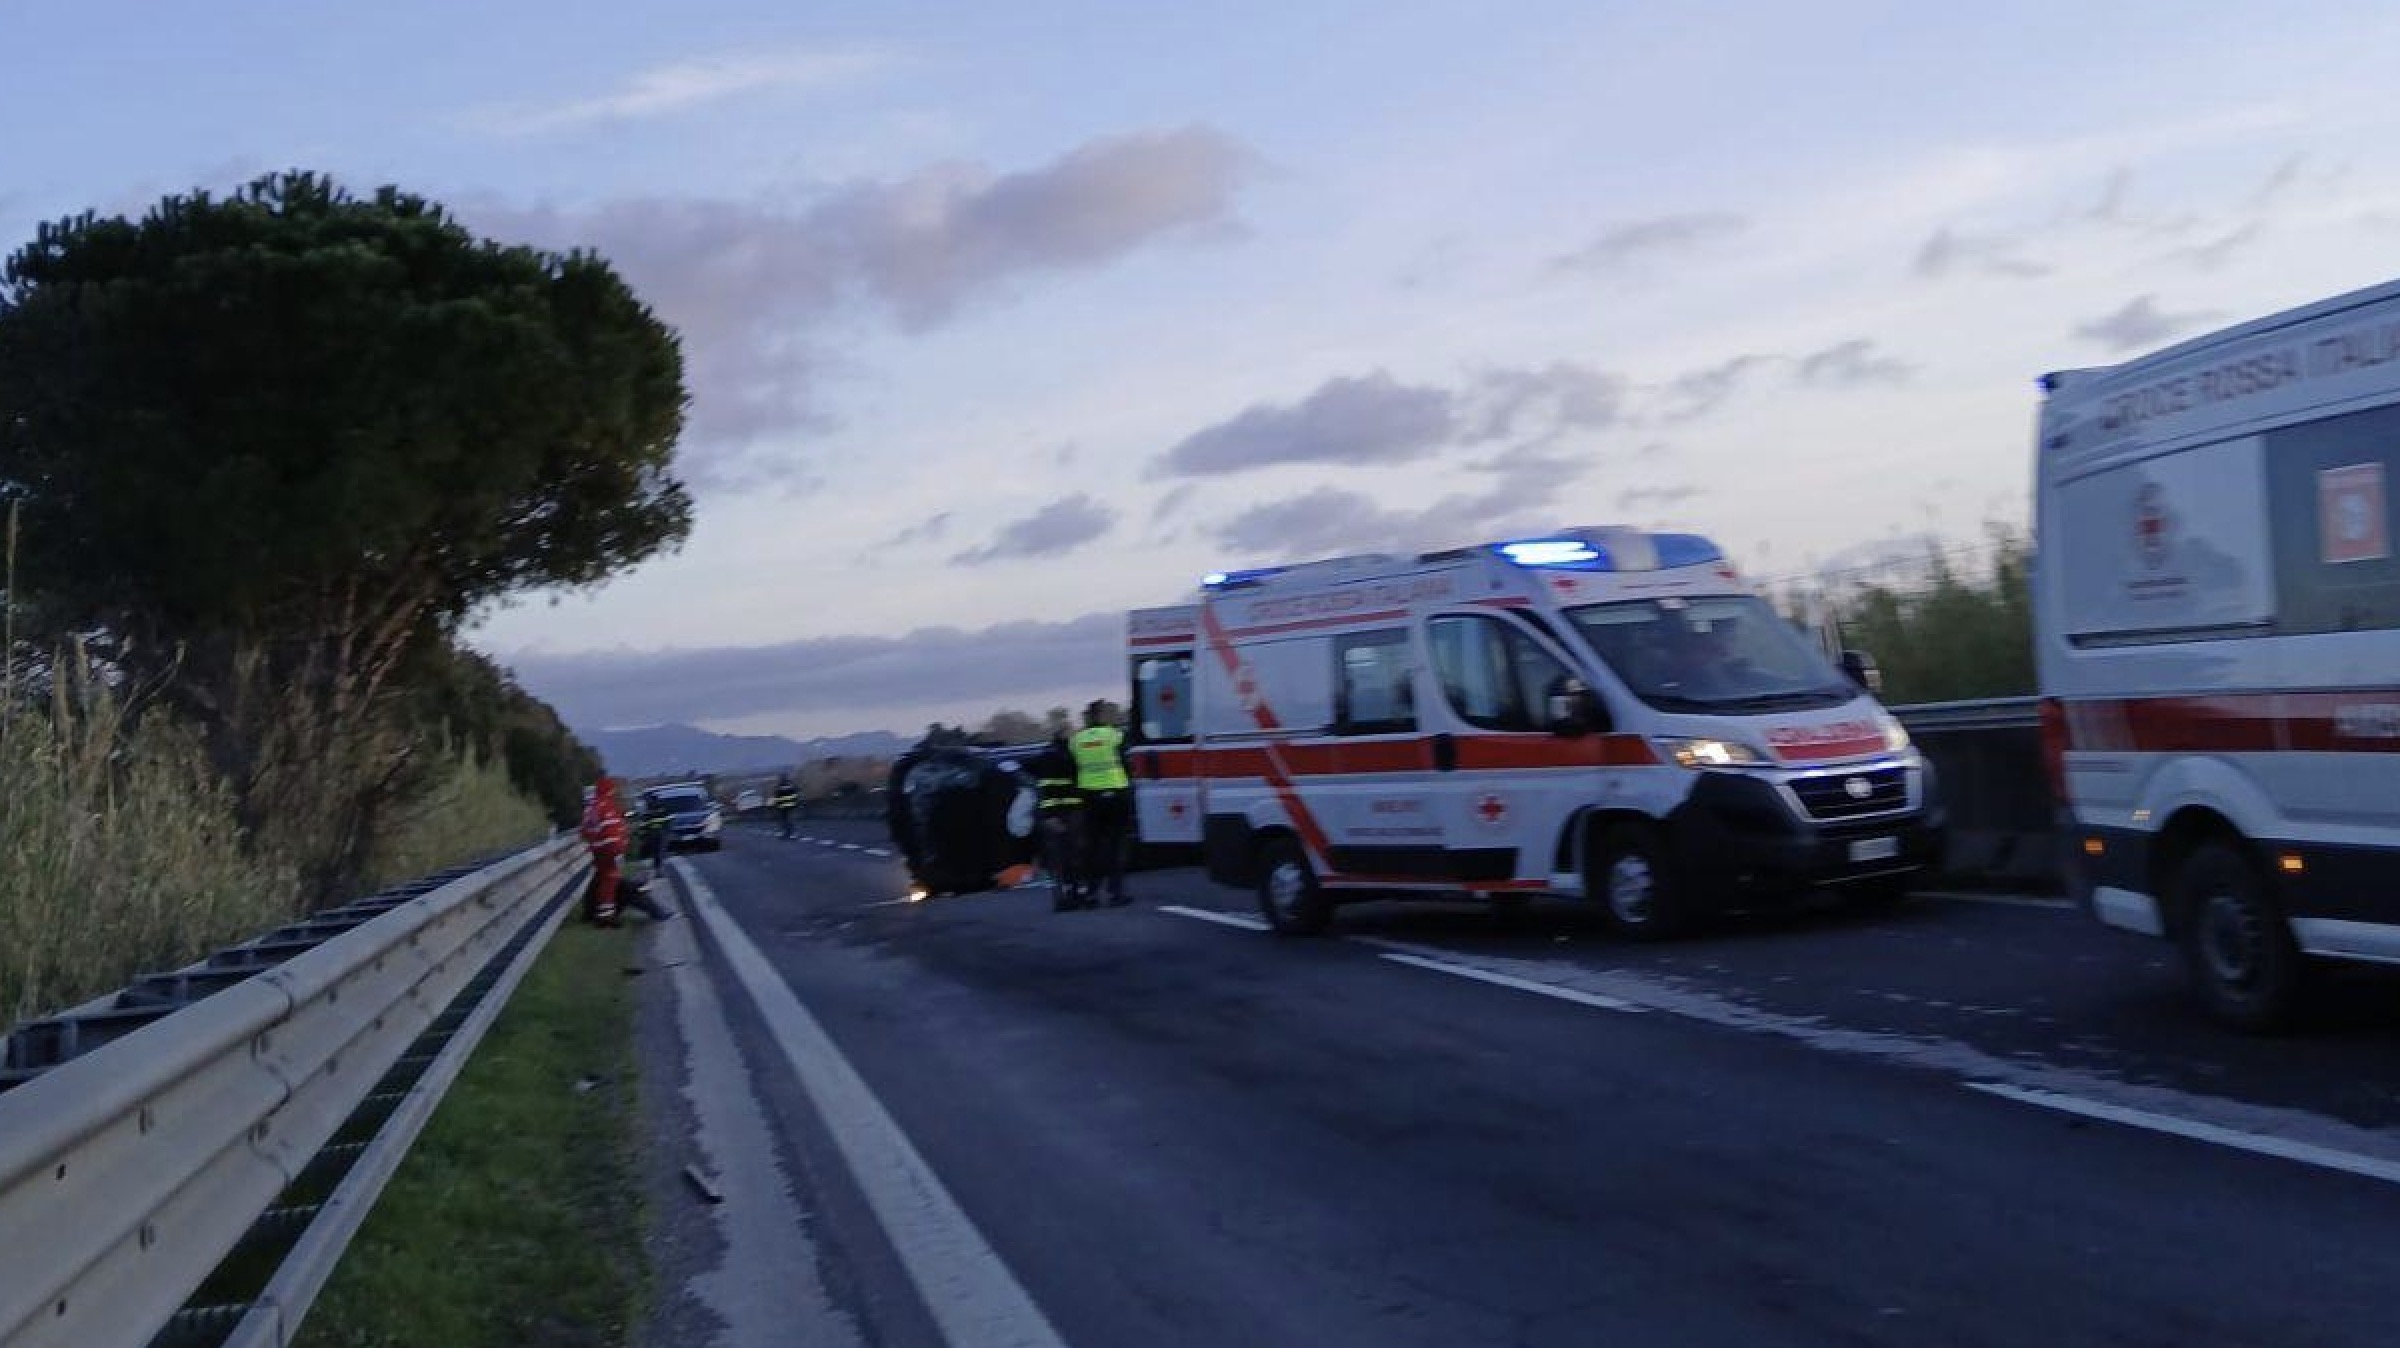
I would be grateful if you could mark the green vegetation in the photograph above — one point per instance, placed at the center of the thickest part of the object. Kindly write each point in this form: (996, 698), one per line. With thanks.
(265, 455)
(516, 1219)
(274, 449)
(469, 808)
(118, 851)
(1957, 636)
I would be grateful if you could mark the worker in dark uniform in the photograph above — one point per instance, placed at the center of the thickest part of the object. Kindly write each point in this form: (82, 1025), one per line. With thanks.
(1058, 821)
(1099, 753)
(787, 803)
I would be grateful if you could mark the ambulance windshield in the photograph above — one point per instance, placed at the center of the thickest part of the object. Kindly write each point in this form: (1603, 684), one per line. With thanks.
(1731, 653)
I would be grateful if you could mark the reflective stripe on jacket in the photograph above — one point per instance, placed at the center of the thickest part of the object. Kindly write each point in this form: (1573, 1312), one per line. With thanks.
(1099, 758)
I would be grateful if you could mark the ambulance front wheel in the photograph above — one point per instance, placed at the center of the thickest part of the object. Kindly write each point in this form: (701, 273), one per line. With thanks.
(1288, 895)
(1632, 877)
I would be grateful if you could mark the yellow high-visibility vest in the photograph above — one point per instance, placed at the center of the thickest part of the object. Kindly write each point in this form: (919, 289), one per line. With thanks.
(1099, 761)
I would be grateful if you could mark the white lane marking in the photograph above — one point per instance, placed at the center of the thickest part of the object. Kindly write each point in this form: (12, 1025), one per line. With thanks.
(850, 847)
(968, 1289)
(1996, 900)
(878, 851)
(766, 1287)
(1576, 995)
(1241, 920)
(2307, 1153)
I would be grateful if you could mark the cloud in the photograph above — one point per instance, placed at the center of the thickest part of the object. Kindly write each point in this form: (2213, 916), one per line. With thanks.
(1636, 240)
(1949, 251)
(1635, 498)
(1174, 502)
(1851, 364)
(1695, 393)
(1524, 483)
(751, 285)
(2215, 253)
(687, 84)
(1057, 528)
(860, 673)
(1560, 396)
(1374, 419)
(932, 529)
(1365, 419)
(2139, 325)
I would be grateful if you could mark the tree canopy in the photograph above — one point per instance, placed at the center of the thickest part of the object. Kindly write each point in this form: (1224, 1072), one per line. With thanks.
(274, 447)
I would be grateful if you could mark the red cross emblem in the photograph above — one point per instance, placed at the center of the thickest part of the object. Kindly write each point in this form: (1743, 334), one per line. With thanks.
(1491, 810)
(1175, 809)
(1166, 697)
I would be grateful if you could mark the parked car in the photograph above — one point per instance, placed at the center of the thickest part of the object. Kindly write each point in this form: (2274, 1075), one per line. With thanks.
(693, 817)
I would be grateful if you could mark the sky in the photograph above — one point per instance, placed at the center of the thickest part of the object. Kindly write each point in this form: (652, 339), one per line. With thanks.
(1000, 320)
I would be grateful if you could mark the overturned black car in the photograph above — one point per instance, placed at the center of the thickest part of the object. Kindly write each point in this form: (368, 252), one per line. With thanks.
(962, 814)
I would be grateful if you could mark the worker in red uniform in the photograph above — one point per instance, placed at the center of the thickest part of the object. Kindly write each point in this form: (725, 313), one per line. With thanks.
(604, 833)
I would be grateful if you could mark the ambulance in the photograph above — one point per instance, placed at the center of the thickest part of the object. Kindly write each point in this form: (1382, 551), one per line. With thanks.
(1594, 712)
(2217, 622)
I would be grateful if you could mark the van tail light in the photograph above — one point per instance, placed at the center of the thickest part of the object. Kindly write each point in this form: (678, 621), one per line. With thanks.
(2055, 742)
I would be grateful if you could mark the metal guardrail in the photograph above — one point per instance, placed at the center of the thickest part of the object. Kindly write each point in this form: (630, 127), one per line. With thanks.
(130, 1171)
(1996, 713)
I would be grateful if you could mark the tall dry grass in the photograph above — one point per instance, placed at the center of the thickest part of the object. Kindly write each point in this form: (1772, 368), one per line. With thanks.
(119, 851)
(470, 810)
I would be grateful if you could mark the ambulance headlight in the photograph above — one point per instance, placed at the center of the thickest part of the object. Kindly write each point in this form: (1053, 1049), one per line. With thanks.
(1711, 753)
(1895, 735)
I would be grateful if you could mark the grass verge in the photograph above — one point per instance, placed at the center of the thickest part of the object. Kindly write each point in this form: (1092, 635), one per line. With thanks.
(517, 1217)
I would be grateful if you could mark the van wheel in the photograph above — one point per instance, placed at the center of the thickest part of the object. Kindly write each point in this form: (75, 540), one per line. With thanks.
(1631, 878)
(1288, 895)
(2241, 953)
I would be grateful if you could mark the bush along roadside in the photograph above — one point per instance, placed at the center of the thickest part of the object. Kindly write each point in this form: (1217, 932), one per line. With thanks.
(517, 1217)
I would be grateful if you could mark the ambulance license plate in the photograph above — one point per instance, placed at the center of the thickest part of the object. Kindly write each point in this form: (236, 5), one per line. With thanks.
(1874, 849)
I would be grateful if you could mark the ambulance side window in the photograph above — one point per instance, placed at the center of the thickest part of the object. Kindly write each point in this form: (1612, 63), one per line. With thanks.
(1373, 696)
(1162, 691)
(1494, 675)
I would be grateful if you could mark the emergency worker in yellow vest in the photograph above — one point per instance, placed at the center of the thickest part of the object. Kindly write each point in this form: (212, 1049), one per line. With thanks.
(1058, 820)
(1099, 751)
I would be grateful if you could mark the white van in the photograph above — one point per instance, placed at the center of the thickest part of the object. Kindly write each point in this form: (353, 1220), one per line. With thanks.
(1597, 711)
(2217, 614)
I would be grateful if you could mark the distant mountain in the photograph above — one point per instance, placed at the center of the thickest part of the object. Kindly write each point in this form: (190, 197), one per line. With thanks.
(651, 751)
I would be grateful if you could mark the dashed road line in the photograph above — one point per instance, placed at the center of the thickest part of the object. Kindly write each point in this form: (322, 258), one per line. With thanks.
(1577, 995)
(1241, 920)
(2306, 1153)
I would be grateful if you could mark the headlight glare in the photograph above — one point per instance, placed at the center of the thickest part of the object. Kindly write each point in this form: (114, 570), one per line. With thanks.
(1706, 752)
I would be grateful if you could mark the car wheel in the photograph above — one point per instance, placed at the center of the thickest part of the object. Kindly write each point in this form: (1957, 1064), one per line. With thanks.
(2249, 971)
(1288, 894)
(1634, 883)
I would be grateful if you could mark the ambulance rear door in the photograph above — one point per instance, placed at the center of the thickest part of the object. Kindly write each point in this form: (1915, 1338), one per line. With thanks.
(1164, 758)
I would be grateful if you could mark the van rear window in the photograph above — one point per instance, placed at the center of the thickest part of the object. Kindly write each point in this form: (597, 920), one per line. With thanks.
(2329, 496)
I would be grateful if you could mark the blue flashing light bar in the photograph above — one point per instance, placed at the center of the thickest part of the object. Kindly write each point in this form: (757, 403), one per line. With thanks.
(1232, 580)
(1549, 552)
(1676, 550)
(1574, 553)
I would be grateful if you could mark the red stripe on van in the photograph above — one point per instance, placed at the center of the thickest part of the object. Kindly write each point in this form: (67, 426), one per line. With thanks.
(2354, 720)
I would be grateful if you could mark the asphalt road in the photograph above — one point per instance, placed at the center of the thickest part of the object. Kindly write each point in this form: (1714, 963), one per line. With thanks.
(1968, 1122)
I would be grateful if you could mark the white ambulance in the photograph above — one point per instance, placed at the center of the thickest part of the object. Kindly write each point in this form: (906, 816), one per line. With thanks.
(1597, 712)
(2217, 613)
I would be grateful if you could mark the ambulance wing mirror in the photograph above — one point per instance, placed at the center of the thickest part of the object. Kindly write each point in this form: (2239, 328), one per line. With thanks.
(1574, 710)
(1862, 670)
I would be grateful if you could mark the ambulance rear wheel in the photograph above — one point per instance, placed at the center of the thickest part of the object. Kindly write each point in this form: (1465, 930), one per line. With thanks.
(1632, 879)
(2242, 956)
(1288, 895)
